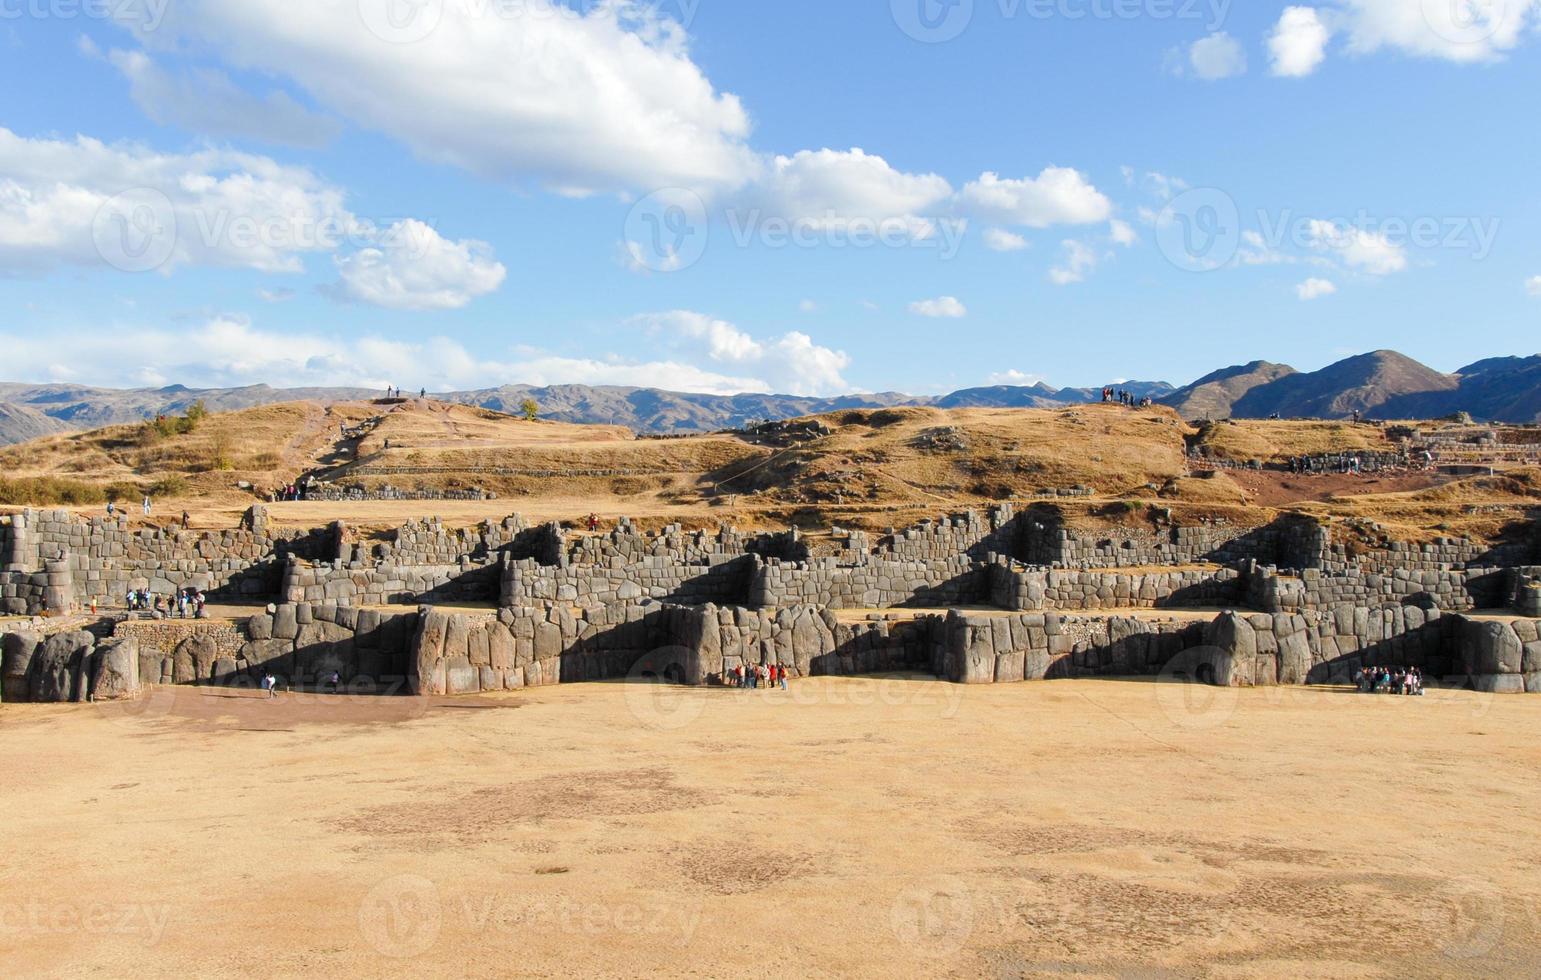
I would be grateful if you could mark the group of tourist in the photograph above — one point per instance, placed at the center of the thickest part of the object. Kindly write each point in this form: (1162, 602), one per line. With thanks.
(186, 603)
(1390, 680)
(757, 676)
(287, 493)
(1111, 395)
(396, 393)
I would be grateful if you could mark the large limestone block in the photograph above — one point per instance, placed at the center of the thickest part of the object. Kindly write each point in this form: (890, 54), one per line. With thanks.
(1294, 658)
(260, 627)
(194, 659)
(1494, 648)
(275, 656)
(1234, 643)
(115, 674)
(480, 648)
(286, 622)
(500, 647)
(16, 656)
(55, 673)
(425, 663)
(457, 638)
(1499, 683)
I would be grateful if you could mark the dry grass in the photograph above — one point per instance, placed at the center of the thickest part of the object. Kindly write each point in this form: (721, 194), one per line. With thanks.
(879, 468)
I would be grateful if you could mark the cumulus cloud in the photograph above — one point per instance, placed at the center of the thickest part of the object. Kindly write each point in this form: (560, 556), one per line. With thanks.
(1122, 233)
(581, 100)
(60, 204)
(230, 351)
(1217, 56)
(790, 364)
(1533, 286)
(1452, 30)
(414, 268)
(1461, 31)
(1057, 196)
(1358, 248)
(1076, 263)
(82, 202)
(1298, 44)
(1001, 240)
(207, 102)
(832, 188)
(1315, 289)
(941, 308)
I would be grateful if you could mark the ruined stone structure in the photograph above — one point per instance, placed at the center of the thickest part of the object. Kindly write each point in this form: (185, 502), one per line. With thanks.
(997, 597)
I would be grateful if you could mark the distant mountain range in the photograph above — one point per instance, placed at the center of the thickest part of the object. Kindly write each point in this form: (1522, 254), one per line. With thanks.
(1380, 385)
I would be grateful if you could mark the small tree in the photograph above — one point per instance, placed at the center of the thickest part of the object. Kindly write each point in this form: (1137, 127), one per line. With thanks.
(531, 409)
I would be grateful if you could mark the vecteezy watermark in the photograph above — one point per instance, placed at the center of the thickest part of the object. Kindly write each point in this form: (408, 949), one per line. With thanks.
(1471, 21)
(831, 230)
(1202, 230)
(936, 21)
(404, 916)
(141, 230)
(666, 231)
(935, 918)
(136, 231)
(144, 15)
(411, 21)
(145, 924)
(1194, 689)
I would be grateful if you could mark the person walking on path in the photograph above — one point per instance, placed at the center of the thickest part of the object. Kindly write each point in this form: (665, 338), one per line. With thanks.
(147, 505)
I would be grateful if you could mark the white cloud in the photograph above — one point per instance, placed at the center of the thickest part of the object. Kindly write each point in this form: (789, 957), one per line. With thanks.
(1001, 240)
(208, 103)
(1122, 233)
(1315, 289)
(1453, 30)
(60, 204)
(1015, 379)
(598, 99)
(1358, 248)
(790, 364)
(831, 188)
(230, 351)
(1057, 196)
(1298, 44)
(1533, 286)
(275, 295)
(943, 307)
(1217, 56)
(1078, 261)
(414, 268)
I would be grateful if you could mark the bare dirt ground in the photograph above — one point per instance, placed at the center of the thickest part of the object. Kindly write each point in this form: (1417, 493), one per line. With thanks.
(893, 827)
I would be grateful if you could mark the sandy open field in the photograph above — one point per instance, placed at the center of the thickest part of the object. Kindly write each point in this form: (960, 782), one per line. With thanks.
(894, 827)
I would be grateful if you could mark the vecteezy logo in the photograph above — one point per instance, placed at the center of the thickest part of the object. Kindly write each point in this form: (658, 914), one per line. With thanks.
(136, 231)
(1194, 689)
(932, 21)
(401, 21)
(401, 916)
(1200, 231)
(666, 231)
(1466, 21)
(935, 917)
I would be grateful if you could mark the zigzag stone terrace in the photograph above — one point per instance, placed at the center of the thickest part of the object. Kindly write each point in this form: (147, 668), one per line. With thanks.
(1003, 597)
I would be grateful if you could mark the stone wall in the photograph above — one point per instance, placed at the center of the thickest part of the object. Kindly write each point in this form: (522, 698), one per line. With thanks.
(304, 643)
(69, 666)
(1451, 590)
(105, 559)
(876, 584)
(995, 649)
(717, 578)
(391, 582)
(1034, 589)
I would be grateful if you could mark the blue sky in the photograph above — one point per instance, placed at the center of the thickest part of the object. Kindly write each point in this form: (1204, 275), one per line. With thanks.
(914, 195)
